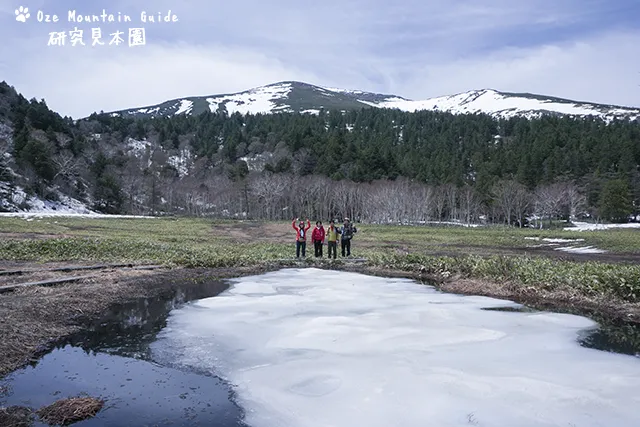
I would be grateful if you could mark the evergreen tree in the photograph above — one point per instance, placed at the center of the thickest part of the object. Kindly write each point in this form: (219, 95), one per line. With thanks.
(615, 201)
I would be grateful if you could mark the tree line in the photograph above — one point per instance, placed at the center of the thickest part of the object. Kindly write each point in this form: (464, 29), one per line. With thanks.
(375, 164)
(281, 196)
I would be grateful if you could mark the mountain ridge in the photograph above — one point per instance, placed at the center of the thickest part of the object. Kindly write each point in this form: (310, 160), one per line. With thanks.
(294, 96)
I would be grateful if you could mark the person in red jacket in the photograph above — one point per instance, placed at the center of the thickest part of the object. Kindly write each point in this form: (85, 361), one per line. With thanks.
(301, 236)
(317, 237)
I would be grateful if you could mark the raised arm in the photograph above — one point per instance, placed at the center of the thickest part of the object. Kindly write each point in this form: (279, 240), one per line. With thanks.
(293, 224)
(308, 225)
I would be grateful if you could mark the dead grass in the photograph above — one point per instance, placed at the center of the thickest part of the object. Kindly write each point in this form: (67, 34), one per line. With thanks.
(558, 299)
(16, 416)
(68, 411)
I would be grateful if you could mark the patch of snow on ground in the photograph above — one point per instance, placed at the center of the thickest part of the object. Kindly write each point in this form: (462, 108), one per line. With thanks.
(460, 224)
(255, 101)
(181, 162)
(586, 226)
(66, 205)
(148, 110)
(338, 90)
(310, 111)
(571, 249)
(311, 347)
(138, 147)
(258, 161)
(581, 250)
(185, 107)
(13, 200)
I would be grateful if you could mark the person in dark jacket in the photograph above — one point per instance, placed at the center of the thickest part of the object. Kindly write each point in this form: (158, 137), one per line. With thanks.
(317, 237)
(301, 236)
(346, 232)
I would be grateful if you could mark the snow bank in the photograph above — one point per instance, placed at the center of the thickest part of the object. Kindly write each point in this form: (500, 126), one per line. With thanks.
(310, 348)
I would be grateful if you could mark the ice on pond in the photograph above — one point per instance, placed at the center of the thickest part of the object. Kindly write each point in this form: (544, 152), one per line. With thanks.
(316, 348)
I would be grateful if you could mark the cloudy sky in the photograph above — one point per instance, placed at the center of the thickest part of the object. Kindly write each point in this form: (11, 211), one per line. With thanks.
(578, 49)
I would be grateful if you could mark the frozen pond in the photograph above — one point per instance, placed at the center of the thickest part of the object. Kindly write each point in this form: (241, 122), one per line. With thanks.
(309, 347)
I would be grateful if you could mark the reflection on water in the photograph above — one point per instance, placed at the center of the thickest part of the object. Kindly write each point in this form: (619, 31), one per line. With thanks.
(614, 337)
(127, 330)
(111, 359)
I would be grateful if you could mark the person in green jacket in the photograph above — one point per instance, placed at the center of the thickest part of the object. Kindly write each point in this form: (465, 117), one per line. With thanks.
(332, 239)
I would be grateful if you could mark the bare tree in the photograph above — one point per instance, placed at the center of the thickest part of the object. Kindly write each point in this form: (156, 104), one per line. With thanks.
(469, 204)
(512, 200)
(550, 200)
(577, 202)
(66, 164)
(452, 201)
(440, 202)
(268, 190)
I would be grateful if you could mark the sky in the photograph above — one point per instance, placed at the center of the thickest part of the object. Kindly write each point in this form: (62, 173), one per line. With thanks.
(586, 50)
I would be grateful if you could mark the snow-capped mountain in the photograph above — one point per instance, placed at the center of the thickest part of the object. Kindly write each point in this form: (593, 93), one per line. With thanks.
(307, 98)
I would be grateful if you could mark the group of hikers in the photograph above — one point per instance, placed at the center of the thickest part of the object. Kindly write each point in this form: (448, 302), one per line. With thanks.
(318, 235)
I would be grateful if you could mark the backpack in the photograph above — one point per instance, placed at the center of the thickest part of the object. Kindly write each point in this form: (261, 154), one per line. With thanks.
(347, 232)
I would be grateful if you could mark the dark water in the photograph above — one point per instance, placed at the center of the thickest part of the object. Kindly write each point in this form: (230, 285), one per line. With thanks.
(614, 337)
(510, 309)
(112, 360)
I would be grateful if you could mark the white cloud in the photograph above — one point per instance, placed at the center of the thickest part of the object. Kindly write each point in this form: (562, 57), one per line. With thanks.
(416, 49)
(78, 82)
(599, 69)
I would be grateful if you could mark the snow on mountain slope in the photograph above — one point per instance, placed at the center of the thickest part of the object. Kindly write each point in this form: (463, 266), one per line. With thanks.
(185, 106)
(259, 100)
(507, 105)
(306, 98)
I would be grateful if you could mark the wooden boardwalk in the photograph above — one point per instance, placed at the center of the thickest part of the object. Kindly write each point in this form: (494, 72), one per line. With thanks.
(69, 279)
